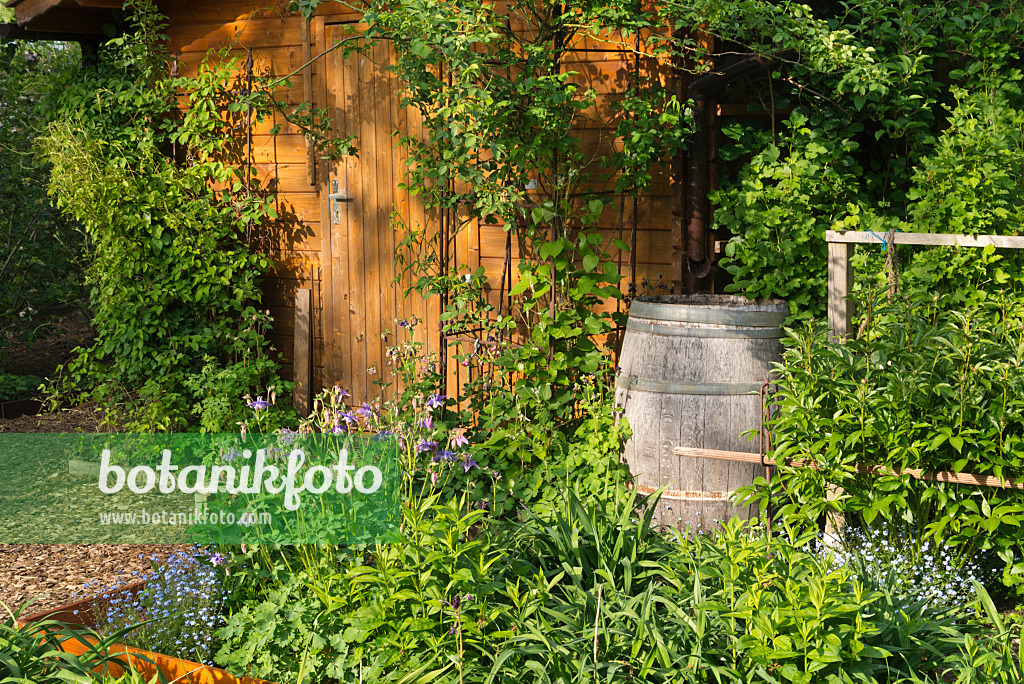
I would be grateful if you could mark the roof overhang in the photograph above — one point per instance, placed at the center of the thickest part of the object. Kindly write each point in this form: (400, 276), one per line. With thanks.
(80, 18)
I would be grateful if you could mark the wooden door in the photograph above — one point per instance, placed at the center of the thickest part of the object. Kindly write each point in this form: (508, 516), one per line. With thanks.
(363, 306)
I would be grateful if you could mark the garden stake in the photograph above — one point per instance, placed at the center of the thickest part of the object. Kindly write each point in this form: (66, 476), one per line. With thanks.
(248, 138)
(766, 445)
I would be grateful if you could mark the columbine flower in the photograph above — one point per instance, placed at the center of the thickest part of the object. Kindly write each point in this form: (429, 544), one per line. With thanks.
(468, 463)
(349, 417)
(403, 323)
(426, 445)
(427, 423)
(458, 437)
(218, 559)
(259, 404)
(337, 430)
(435, 401)
(444, 456)
(366, 411)
(230, 455)
(340, 394)
(287, 437)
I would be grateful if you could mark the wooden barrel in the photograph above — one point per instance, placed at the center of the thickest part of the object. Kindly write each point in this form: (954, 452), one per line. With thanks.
(690, 374)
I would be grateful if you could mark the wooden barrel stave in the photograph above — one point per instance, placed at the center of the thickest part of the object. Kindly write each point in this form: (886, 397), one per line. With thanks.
(682, 367)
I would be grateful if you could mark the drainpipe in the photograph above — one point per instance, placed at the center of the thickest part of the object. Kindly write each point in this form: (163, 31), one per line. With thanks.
(697, 207)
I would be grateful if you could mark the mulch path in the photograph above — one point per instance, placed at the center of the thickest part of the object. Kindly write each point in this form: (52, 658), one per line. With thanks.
(84, 418)
(51, 575)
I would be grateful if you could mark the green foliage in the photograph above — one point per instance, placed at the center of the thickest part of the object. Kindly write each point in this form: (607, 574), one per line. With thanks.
(456, 591)
(790, 615)
(586, 592)
(39, 249)
(17, 386)
(32, 653)
(785, 199)
(907, 116)
(971, 181)
(925, 389)
(160, 194)
(995, 657)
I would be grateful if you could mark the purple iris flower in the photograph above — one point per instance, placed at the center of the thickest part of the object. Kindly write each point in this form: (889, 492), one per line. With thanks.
(426, 445)
(444, 456)
(435, 401)
(259, 404)
(468, 463)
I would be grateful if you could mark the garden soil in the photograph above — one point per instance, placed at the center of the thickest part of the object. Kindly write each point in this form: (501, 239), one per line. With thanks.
(52, 346)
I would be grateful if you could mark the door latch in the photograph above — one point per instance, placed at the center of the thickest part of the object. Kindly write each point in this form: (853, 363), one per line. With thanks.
(337, 196)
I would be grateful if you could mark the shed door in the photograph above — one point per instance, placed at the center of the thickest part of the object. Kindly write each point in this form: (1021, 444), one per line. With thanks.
(364, 302)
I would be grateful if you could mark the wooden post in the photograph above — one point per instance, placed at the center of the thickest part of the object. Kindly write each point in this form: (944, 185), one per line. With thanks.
(303, 344)
(840, 283)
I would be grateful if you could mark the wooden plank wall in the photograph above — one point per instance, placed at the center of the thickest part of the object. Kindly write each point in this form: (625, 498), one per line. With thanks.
(297, 240)
(294, 241)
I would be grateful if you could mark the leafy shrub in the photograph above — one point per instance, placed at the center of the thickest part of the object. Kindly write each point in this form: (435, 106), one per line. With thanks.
(877, 140)
(779, 208)
(17, 386)
(788, 614)
(587, 591)
(926, 389)
(173, 281)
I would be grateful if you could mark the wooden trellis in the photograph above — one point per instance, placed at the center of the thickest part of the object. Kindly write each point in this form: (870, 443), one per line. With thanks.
(840, 273)
(840, 316)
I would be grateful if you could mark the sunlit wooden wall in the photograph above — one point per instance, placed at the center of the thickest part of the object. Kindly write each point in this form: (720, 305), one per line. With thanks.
(353, 301)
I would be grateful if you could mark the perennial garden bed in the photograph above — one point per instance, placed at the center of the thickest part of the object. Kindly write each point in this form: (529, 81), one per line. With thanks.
(84, 613)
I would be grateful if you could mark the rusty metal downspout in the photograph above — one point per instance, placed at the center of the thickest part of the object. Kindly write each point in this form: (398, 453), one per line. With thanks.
(697, 206)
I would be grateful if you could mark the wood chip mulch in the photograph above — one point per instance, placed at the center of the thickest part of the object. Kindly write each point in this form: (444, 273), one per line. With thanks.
(51, 575)
(84, 418)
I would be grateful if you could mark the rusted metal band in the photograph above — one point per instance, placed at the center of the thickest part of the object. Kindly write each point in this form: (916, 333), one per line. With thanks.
(683, 313)
(679, 331)
(628, 382)
(683, 495)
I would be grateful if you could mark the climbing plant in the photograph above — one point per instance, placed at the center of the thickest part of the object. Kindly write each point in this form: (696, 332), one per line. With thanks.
(162, 194)
(912, 122)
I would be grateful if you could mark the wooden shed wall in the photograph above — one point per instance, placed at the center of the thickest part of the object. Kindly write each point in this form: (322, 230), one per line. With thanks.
(297, 241)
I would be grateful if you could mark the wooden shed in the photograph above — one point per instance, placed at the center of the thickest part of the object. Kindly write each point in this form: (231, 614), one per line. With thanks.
(337, 253)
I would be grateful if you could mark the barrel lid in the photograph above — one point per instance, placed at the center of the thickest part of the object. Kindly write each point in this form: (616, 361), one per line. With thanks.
(711, 308)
